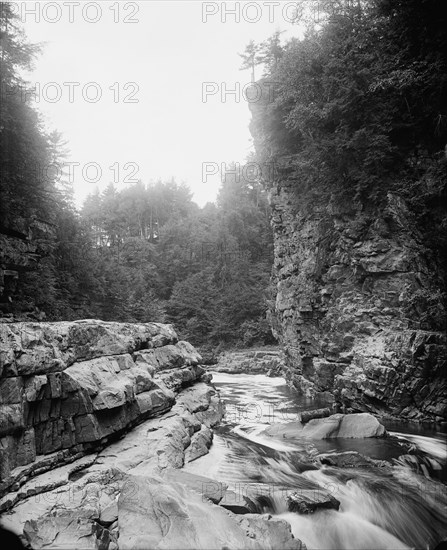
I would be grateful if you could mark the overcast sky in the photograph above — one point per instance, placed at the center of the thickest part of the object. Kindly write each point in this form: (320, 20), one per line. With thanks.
(149, 61)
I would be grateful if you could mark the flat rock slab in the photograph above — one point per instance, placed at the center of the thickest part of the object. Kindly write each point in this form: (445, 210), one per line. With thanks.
(351, 426)
(206, 487)
(158, 515)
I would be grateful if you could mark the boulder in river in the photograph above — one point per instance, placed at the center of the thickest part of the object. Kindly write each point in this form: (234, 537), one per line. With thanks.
(306, 502)
(348, 426)
(351, 426)
(349, 459)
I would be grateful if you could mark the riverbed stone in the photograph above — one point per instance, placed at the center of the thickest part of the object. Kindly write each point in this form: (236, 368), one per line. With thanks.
(348, 426)
(305, 416)
(308, 501)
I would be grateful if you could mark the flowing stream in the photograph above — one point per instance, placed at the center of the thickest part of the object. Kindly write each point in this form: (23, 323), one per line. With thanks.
(393, 507)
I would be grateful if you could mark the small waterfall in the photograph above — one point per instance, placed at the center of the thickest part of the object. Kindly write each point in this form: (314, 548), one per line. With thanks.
(411, 511)
(330, 530)
(429, 458)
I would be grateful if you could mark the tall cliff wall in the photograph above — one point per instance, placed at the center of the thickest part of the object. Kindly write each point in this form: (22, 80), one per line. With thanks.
(346, 309)
(347, 127)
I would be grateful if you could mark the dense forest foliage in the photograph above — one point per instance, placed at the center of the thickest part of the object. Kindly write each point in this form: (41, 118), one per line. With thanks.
(157, 256)
(143, 253)
(360, 108)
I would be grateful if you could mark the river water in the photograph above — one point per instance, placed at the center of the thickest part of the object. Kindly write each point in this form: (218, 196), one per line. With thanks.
(400, 506)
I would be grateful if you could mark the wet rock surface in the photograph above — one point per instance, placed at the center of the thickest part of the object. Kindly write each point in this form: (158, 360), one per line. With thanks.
(347, 426)
(305, 416)
(349, 459)
(76, 505)
(307, 502)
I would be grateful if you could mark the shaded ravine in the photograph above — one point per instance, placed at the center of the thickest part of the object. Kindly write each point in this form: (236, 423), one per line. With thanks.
(391, 507)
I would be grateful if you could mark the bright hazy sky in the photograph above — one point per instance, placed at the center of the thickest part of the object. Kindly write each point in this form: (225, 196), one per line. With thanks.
(165, 57)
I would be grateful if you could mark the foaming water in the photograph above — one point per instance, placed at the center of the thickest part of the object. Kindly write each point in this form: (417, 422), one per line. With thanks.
(330, 530)
(396, 507)
(253, 434)
(414, 514)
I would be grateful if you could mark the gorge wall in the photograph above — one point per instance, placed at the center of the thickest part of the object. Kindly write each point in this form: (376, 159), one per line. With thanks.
(346, 127)
(346, 311)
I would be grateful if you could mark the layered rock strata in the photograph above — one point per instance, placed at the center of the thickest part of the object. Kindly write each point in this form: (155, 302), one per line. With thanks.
(66, 388)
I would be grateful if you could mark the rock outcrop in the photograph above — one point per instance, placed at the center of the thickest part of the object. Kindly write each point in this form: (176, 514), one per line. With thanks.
(257, 361)
(68, 387)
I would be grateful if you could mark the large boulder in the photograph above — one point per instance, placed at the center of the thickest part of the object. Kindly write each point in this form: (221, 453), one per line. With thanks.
(348, 426)
(351, 426)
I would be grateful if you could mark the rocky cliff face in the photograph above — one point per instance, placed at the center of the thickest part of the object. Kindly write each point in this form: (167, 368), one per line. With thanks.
(351, 303)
